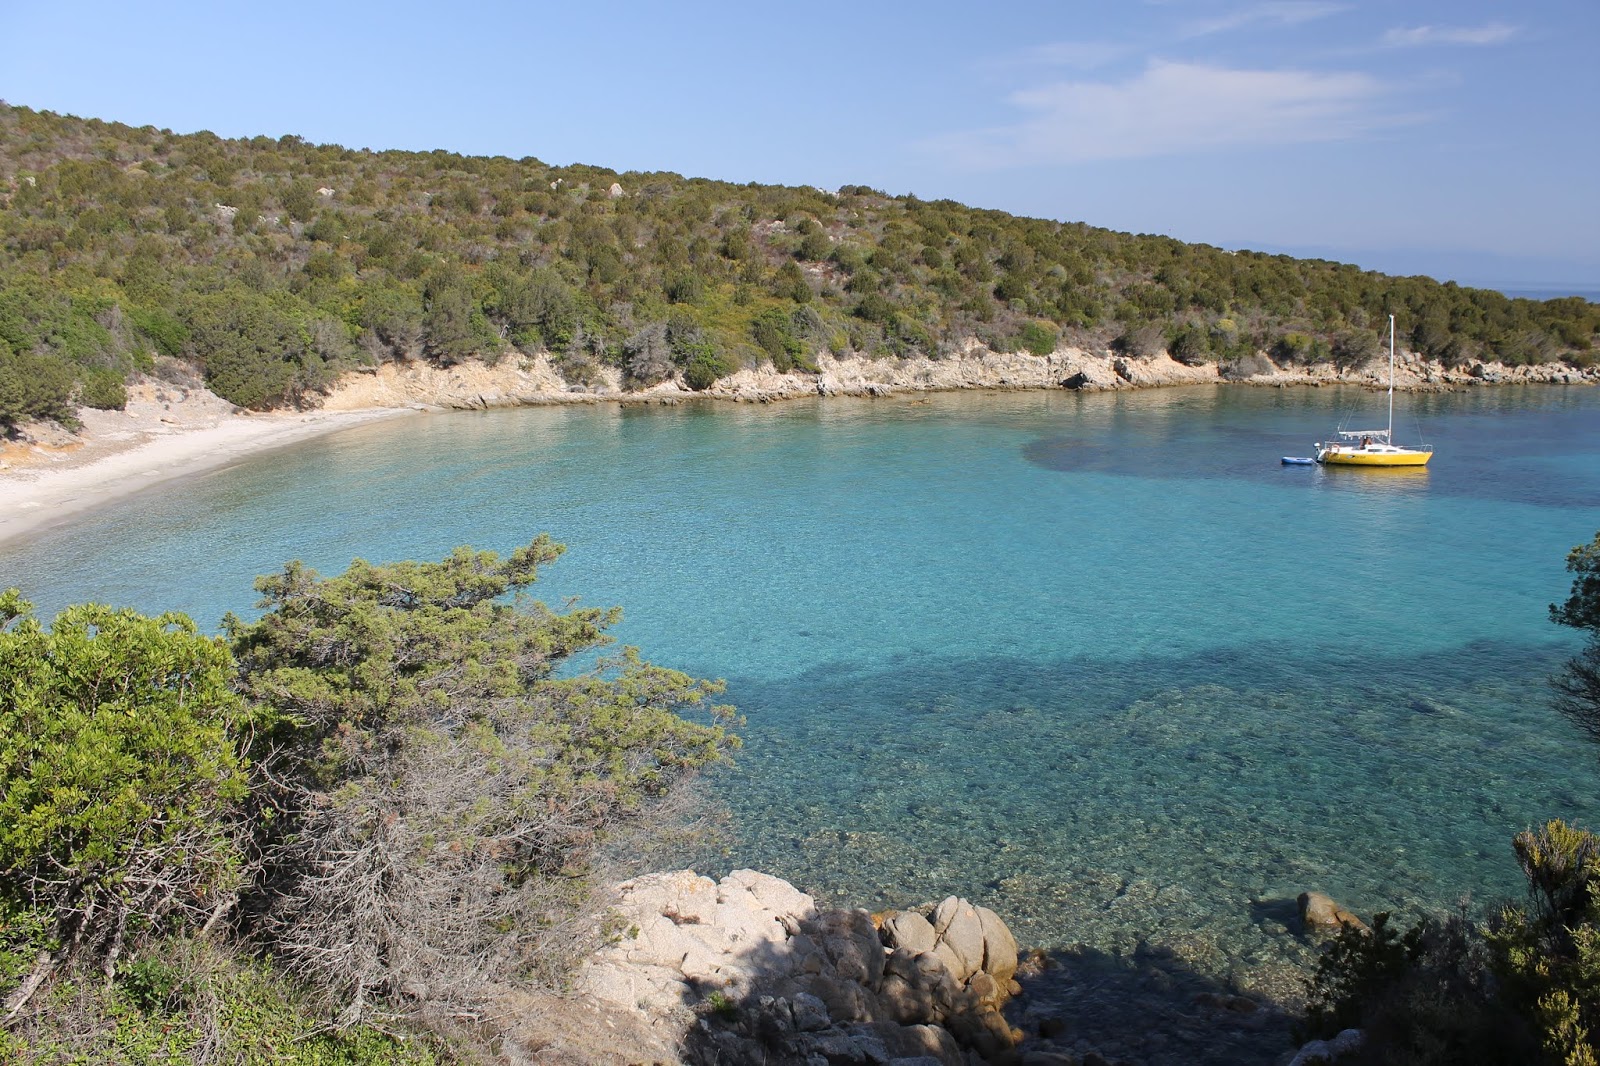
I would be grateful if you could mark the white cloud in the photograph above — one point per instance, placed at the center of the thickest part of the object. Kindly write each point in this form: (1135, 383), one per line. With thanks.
(1414, 36)
(1173, 108)
(1280, 12)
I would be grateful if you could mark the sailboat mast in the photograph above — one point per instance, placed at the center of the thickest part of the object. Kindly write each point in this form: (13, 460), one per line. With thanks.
(1390, 438)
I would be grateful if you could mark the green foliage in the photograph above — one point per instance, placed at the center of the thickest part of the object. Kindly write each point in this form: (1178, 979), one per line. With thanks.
(34, 386)
(103, 389)
(1549, 958)
(790, 283)
(704, 366)
(1577, 687)
(1356, 968)
(445, 257)
(1292, 347)
(36, 316)
(774, 331)
(1355, 349)
(1190, 344)
(1582, 607)
(442, 787)
(1040, 338)
(1524, 989)
(120, 772)
(255, 353)
(187, 1001)
(685, 287)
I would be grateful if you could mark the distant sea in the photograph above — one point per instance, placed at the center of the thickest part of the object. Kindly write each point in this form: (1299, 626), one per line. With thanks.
(1099, 662)
(1554, 293)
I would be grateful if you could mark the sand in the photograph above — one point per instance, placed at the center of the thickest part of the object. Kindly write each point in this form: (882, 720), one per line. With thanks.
(165, 433)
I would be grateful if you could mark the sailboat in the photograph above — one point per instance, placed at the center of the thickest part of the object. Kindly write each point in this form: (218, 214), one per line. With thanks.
(1373, 447)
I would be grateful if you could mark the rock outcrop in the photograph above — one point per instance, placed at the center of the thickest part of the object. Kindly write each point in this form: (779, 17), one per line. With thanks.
(517, 380)
(751, 970)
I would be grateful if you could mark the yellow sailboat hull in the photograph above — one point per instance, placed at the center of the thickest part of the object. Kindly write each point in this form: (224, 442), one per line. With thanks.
(1360, 458)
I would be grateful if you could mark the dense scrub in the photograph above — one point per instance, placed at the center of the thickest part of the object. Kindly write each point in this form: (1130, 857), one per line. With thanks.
(273, 265)
(385, 789)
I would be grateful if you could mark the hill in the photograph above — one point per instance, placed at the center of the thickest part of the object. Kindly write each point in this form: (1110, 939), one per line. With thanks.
(271, 266)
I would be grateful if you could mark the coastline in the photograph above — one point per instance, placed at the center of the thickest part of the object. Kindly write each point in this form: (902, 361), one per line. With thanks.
(153, 442)
(167, 431)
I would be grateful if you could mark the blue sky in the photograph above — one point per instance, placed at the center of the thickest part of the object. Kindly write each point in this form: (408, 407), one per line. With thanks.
(1453, 139)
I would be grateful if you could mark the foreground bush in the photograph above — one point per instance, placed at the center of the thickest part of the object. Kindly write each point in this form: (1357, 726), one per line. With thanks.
(440, 792)
(1523, 989)
(405, 777)
(121, 775)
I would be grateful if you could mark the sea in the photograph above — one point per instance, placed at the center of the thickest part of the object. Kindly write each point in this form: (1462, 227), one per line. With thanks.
(1100, 662)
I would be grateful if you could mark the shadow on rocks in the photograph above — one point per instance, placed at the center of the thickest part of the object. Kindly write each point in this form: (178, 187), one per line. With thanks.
(749, 970)
(1146, 1008)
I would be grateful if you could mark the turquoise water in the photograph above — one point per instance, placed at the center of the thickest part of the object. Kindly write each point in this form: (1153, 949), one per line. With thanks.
(1100, 662)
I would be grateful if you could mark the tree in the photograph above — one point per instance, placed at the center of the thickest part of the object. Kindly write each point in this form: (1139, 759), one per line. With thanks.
(1547, 955)
(1355, 349)
(254, 353)
(120, 774)
(774, 332)
(1578, 685)
(441, 788)
(1140, 341)
(1191, 344)
(646, 356)
(34, 386)
(448, 312)
(790, 283)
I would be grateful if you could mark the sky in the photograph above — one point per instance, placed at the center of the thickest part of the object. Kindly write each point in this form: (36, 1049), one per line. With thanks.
(1454, 139)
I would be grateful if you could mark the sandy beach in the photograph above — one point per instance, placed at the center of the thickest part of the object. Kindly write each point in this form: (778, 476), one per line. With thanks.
(165, 433)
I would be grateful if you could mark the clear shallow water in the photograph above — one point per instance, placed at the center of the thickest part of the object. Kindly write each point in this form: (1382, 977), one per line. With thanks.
(1098, 661)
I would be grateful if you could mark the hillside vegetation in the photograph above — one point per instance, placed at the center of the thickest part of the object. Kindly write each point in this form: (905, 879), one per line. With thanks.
(271, 266)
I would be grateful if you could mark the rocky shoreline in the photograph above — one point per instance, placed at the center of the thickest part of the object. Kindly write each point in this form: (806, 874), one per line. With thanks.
(527, 380)
(749, 969)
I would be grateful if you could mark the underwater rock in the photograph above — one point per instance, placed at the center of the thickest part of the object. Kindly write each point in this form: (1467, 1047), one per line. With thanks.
(1319, 911)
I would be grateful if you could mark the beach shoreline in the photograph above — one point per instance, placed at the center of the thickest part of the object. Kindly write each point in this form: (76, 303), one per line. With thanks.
(167, 431)
(46, 485)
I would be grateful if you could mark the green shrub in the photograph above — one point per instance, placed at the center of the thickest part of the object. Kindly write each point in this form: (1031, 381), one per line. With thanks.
(1355, 969)
(705, 366)
(1549, 956)
(103, 390)
(164, 330)
(1292, 348)
(184, 1001)
(1040, 338)
(774, 332)
(1190, 344)
(444, 788)
(34, 386)
(120, 773)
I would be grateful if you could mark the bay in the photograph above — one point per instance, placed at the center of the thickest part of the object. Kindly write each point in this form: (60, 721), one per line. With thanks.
(1099, 662)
